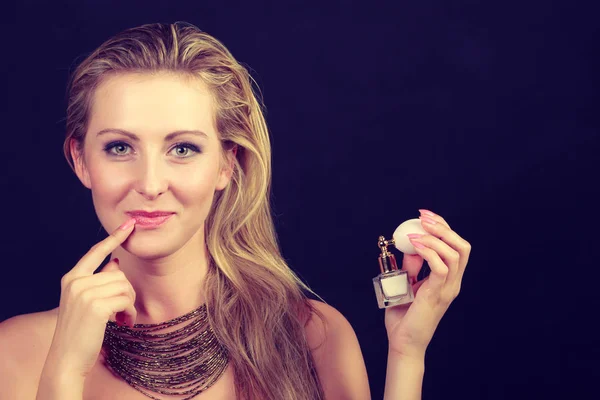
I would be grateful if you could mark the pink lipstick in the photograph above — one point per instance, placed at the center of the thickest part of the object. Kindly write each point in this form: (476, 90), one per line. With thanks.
(149, 219)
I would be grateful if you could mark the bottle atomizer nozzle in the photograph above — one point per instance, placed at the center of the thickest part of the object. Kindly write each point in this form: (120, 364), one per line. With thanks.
(387, 261)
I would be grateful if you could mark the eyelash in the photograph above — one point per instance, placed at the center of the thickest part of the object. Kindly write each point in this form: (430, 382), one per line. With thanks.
(185, 145)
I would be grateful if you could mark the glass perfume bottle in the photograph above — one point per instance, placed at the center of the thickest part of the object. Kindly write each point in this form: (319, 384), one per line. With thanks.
(392, 286)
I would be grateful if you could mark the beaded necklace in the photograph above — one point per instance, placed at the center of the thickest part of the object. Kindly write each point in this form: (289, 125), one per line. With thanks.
(156, 361)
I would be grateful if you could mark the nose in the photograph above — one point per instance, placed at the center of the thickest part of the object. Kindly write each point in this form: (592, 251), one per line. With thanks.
(151, 179)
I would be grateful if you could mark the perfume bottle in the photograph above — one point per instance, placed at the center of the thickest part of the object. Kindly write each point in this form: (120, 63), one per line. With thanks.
(392, 286)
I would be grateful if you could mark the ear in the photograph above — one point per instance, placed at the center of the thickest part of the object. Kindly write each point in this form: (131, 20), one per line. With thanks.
(227, 171)
(79, 163)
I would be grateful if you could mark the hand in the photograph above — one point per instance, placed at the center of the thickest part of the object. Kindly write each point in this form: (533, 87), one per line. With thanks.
(410, 327)
(87, 301)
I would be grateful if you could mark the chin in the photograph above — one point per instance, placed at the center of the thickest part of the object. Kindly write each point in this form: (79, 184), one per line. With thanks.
(149, 248)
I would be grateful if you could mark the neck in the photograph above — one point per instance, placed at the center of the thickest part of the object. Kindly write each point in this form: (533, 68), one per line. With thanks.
(166, 287)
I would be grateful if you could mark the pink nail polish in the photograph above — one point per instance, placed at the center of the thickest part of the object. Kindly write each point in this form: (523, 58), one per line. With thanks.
(127, 224)
(414, 235)
(427, 212)
(428, 220)
(417, 244)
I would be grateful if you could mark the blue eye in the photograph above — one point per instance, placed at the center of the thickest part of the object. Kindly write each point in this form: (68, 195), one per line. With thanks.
(187, 149)
(182, 150)
(116, 145)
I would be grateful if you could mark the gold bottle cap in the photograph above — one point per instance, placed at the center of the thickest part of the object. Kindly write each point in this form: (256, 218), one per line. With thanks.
(387, 261)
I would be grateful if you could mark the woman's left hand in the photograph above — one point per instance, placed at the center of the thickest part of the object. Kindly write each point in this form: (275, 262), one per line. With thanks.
(410, 327)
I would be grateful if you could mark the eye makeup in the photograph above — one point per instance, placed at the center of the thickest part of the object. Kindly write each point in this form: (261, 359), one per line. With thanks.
(108, 148)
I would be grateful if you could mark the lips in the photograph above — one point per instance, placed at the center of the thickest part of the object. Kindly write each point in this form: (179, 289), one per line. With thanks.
(147, 214)
(153, 219)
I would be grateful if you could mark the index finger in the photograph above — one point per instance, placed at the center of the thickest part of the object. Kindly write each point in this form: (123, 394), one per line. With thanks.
(93, 258)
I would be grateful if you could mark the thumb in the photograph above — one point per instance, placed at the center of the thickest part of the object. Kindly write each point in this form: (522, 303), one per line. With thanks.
(112, 265)
(412, 263)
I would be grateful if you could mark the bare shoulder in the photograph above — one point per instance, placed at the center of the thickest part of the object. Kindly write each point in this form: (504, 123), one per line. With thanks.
(28, 333)
(327, 320)
(336, 351)
(24, 343)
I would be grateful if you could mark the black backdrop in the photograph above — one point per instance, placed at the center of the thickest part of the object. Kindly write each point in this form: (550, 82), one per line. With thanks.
(480, 112)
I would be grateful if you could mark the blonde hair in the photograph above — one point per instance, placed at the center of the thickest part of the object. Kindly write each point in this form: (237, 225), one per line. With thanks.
(257, 305)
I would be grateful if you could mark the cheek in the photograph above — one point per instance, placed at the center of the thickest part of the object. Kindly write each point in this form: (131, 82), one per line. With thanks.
(195, 188)
(107, 183)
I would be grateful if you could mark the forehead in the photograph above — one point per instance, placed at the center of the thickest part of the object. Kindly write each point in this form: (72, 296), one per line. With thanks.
(152, 104)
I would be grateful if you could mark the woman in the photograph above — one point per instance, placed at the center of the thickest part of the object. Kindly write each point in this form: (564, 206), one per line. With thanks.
(164, 129)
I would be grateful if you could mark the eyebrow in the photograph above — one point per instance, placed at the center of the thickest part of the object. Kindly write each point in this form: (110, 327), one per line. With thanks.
(134, 137)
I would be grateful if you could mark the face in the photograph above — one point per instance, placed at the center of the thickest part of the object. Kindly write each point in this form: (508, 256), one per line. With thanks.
(151, 145)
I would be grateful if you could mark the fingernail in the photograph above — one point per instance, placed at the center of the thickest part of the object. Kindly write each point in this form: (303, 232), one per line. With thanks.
(417, 244)
(428, 220)
(127, 224)
(414, 235)
(116, 260)
(427, 212)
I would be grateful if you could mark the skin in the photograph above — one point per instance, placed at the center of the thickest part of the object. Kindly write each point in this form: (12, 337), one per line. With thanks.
(166, 265)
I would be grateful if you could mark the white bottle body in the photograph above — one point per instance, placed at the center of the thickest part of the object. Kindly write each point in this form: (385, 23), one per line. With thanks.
(393, 288)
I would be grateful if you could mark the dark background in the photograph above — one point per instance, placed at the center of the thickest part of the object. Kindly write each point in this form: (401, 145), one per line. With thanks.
(483, 112)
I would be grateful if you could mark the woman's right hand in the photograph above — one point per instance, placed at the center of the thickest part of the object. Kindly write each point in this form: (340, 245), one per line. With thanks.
(87, 301)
